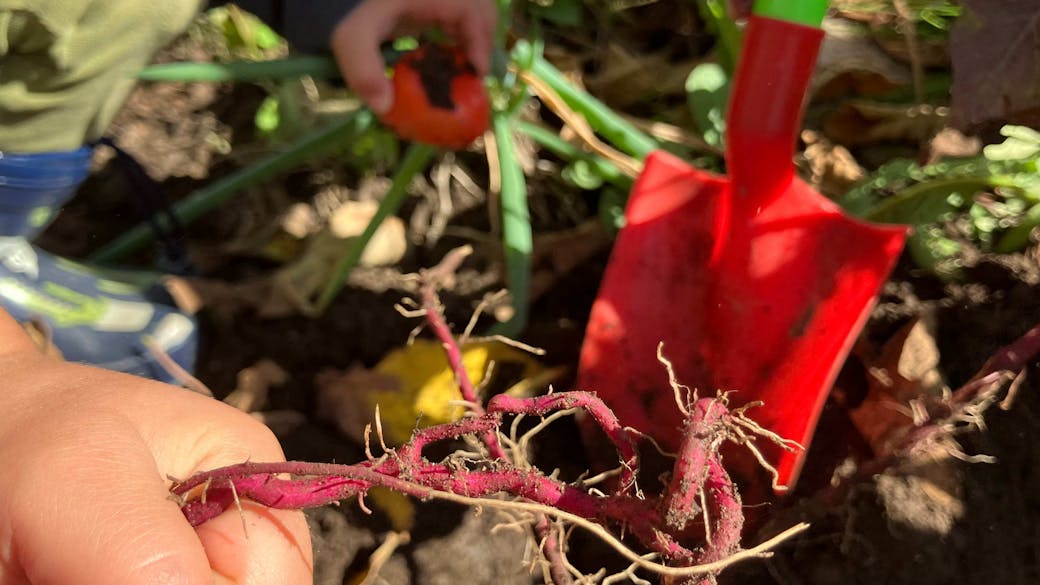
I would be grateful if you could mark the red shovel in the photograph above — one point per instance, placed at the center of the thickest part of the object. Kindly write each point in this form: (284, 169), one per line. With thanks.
(755, 283)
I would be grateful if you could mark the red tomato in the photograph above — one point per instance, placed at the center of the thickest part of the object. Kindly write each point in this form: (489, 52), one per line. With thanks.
(438, 98)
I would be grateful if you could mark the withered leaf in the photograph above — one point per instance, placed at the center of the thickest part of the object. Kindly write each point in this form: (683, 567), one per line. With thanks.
(904, 371)
(995, 48)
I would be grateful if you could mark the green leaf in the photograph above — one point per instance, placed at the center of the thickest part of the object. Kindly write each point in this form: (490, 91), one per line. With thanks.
(945, 194)
(267, 116)
(265, 37)
(925, 206)
(612, 209)
(243, 32)
(1017, 237)
(581, 174)
(931, 249)
(707, 93)
(1023, 133)
(405, 44)
(1021, 143)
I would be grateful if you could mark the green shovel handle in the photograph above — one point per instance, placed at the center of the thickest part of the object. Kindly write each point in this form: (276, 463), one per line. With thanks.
(807, 12)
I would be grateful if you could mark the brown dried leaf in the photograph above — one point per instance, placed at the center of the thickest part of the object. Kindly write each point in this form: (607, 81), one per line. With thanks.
(294, 285)
(951, 143)
(832, 168)
(995, 49)
(343, 397)
(850, 62)
(904, 372)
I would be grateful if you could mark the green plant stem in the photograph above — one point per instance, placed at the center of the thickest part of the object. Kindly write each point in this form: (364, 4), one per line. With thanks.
(516, 227)
(552, 142)
(208, 198)
(729, 37)
(603, 120)
(321, 67)
(415, 160)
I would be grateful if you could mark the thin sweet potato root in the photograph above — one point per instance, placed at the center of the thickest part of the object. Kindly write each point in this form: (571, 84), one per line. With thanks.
(700, 499)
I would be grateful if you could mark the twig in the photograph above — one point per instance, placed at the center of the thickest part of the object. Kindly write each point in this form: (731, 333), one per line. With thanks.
(581, 127)
(681, 402)
(494, 197)
(183, 377)
(1012, 392)
(628, 575)
(382, 554)
(672, 133)
(762, 550)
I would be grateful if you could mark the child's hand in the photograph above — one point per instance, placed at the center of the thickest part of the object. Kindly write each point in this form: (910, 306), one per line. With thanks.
(740, 8)
(83, 490)
(356, 39)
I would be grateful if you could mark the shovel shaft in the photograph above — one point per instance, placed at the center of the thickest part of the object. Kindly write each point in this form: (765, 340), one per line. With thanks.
(807, 12)
(765, 110)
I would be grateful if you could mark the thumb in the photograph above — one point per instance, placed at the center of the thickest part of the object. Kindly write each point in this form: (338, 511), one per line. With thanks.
(96, 510)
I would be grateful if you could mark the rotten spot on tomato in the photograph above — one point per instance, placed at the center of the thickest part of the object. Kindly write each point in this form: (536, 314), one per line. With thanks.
(438, 66)
(438, 98)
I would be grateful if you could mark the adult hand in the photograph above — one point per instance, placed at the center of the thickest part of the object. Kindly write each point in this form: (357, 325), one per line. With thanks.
(84, 492)
(356, 39)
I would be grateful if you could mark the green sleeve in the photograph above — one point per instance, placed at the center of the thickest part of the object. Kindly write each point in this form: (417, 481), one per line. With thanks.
(68, 65)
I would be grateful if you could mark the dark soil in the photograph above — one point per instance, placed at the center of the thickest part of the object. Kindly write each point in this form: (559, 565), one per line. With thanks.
(924, 521)
(933, 519)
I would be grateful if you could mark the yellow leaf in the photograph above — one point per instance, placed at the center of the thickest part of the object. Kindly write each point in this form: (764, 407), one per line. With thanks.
(427, 391)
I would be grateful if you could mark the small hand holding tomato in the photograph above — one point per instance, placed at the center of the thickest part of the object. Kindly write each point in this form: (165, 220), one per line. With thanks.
(356, 39)
(438, 98)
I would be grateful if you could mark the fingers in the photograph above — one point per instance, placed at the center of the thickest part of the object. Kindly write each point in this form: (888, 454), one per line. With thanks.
(355, 41)
(258, 545)
(355, 44)
(481, 41)
(94, 509)
(90, 502)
